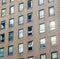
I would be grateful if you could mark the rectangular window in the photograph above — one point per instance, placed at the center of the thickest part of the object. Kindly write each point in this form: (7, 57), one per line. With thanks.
(21, 19)
(50, 0)
(29, 17)
(1, 52)
(42, 28)
(30, 45)
(54, 55)
(42, 43)
(30, 57)
(30, 30)
(20, 48)
(41, 2)
(21, 7)
(11, 22)
(3, 12)
(12, 10)
(20, 33)
(53, 40)
(2, 37)
(43, 56)
(52, 25)
(3, 2)
(2, 24)
(10, 50)
(11, 35)
(11, 0)
(51, 11)
(41, 13)
(30, 4)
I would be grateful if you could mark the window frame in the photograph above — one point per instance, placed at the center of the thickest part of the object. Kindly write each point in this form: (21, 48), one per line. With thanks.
(41, 3)
(20, 23)
(22, 48)
(42, 16)
(10, 10)
(29, 7)
(43, 54)
(22, 33)
(54, 52)
(3, 51)
(12, 50)
(11, 25)
(3, 3)
(49, 11)
(19, 7)
(42, 31)
(31, 13)
(3, 12)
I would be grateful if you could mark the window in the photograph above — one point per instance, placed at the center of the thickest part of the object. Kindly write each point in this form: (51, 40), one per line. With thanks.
(10, 50)
(41, 13)
(11, 22)
(50, 0)
(41, 2)
(21, 7)
(30, 57)
(2, 37)
(42, 28)
(2, 24)
(21, 19)
(52, 25)
(30, 30)
(53, 40)
(3, 2)
(51, 11)
(20, 33)
(20, 48)
(42, 43)
(1, 52)
(30, 45)
(29, 17)
(30, 4)
(11, 35)
(43, 56)
(11, 0)
(54, 55)
(12, 10)
(3, 13)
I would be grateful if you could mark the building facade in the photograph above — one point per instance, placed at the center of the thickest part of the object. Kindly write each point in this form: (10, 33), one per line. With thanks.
(29, 29)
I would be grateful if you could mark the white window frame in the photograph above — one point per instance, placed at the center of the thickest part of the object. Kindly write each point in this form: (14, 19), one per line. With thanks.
(52, 25)
(41, 2)
(21, 33)
(20, 48)
(21, 19)
(42, 28)
(12, 10)
(51, 11)
(53, 40)
(21, 7)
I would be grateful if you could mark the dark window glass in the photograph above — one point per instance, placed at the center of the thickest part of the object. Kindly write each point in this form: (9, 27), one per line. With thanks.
(2, 24)
(30, 45)
(29, 3)
(2, 37)
(29, 17)
(30, 30)
(11, 35)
